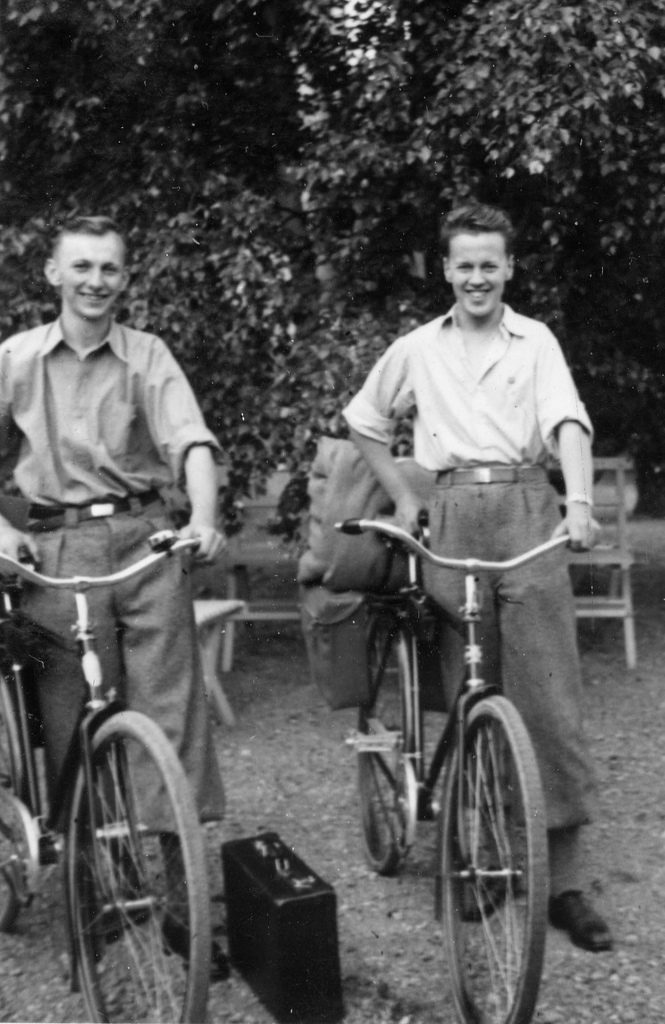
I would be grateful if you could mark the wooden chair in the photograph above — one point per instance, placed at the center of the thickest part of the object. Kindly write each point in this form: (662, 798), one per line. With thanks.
(605, 592)
(253, 551)
(210, 615)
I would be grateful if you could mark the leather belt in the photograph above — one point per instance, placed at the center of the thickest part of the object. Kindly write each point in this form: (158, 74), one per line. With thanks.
(51, 517)
(491, 475)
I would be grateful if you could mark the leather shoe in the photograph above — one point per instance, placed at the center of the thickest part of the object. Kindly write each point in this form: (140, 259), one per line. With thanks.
(573, 913)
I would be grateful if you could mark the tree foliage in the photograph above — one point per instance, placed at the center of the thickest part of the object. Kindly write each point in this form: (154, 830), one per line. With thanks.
(283, 165)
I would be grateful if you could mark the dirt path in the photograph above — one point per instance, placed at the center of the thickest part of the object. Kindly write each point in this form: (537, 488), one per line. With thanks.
(287, 769)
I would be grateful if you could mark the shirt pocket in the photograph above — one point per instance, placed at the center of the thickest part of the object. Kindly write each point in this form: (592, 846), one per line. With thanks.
(118, 428)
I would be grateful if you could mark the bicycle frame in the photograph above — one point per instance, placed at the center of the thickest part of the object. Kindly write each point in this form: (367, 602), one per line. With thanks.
(405, 606)
(96, 706)
(136, 882)
(490, 890)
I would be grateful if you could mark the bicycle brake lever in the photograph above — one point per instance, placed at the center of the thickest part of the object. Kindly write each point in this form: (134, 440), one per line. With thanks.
(163, 540)
(25, 557)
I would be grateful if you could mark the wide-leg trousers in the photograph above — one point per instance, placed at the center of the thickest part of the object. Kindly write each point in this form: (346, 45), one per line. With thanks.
(146, 638)
(529, 631)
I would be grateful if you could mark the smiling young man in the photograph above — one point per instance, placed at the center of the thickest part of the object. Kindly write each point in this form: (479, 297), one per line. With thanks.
(493, 398)
(95, 419)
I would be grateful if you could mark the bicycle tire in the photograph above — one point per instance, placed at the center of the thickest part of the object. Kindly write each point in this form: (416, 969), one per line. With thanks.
(494, 895)
(19, 858)
(137, 887)
(12, 769)
(386, 782)
(14, 836)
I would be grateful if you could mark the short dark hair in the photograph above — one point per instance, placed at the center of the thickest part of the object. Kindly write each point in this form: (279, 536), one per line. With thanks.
(475, 218)
(83, 225)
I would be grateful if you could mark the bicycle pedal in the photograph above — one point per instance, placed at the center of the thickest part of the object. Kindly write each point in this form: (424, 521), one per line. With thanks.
(381, 741)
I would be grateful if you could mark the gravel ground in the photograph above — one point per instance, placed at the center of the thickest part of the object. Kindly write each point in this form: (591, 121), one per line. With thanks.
(287, 769)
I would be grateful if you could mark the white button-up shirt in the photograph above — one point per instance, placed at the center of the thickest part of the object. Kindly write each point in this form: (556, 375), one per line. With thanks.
(505, 412)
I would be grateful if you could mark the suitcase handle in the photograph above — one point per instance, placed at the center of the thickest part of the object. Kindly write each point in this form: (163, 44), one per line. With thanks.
(283, 866)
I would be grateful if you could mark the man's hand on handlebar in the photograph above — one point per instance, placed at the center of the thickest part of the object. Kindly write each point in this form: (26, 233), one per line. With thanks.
(17, 545)
(211, 542)
(579, 524)
(407, 513)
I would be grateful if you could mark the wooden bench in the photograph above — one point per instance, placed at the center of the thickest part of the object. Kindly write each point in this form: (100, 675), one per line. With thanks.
(605, 592)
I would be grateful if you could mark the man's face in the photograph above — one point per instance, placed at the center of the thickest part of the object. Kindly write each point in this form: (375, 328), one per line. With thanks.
(90, 272)
(477, 267)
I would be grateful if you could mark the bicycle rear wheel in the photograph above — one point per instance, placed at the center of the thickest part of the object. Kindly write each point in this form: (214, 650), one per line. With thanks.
(17, 834)
(19, 857)
(137, 889)
(386, 780)
(494, 872)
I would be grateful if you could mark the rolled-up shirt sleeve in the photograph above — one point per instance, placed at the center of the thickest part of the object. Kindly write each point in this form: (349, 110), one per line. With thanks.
(386, 395)
(10, 437)
(173, 414)
(557, 399)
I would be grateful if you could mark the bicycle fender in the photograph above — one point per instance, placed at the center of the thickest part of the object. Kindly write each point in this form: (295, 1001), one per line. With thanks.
(78, 751)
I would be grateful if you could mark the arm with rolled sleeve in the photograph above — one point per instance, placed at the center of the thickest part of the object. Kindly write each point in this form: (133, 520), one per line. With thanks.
(179, 432)
(172, 412)
(386, 394)
(11, 539)
(565, 423)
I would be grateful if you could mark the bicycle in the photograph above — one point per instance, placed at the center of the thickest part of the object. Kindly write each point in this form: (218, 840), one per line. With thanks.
(135, 875)
(491, 889)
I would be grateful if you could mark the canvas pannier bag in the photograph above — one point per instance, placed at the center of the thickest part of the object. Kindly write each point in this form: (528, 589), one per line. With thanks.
(335, 630)
(342, 486)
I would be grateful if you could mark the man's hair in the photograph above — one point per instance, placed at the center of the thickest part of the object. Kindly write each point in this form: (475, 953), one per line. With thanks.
(81, 225)
(476, 218)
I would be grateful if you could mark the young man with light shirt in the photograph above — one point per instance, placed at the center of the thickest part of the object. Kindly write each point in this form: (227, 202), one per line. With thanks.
(95, 419)
(493, 398)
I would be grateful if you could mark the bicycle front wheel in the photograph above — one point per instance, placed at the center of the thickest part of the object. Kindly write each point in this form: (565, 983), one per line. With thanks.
(494, 872)
(386, 780)
(136, 880)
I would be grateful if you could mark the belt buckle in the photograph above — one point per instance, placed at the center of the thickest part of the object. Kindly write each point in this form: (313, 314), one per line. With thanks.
(483, 474)
(101, 509)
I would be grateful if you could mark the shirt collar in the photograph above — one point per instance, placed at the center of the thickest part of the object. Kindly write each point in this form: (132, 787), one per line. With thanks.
(509, 322)
(115, 339)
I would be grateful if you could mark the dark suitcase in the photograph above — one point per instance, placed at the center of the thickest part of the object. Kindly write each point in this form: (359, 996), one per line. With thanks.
(282, 930)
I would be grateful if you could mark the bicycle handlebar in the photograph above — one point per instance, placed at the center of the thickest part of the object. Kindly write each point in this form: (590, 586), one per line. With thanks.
(164, 543)
(355, 526)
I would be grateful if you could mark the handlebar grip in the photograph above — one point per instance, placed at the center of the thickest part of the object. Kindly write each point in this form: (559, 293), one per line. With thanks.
(349, 526)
